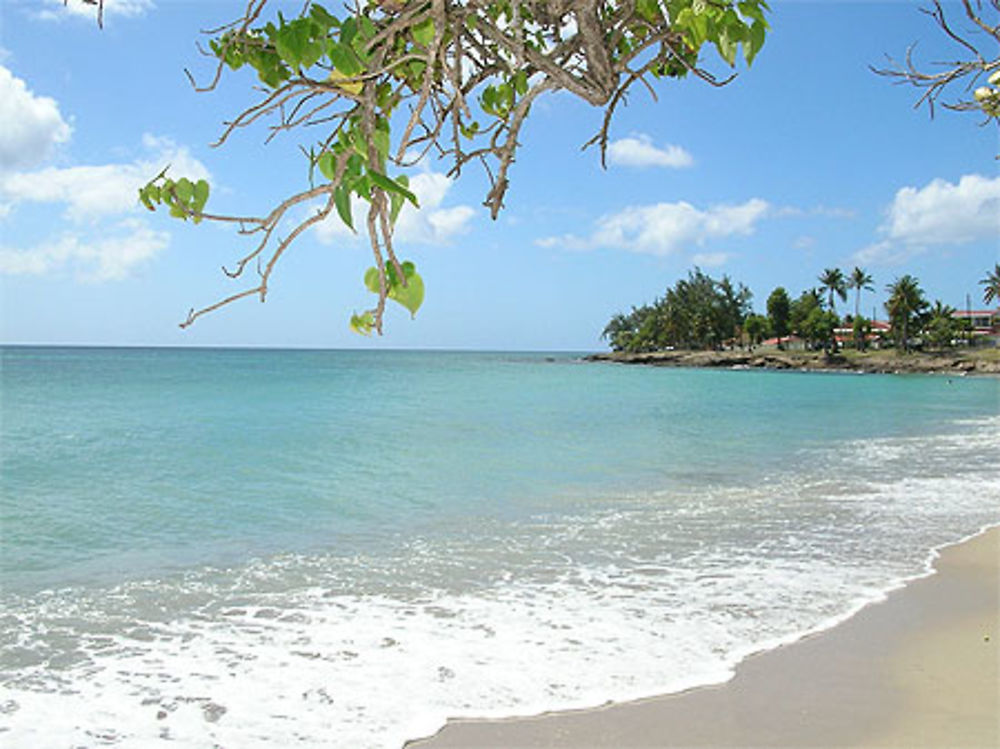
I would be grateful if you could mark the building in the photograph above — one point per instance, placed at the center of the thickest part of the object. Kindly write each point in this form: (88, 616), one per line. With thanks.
(880, 331)
(985, 324)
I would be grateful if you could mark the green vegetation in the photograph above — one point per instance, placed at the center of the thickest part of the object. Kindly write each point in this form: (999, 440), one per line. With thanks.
(374, 86)
(991, 285)
(698, 312)
(702, 313)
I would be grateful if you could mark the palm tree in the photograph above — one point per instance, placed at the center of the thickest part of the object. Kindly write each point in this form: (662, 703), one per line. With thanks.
(942, 328)
(832, 279)
(860, 281)
(992, 284)
(906, 302)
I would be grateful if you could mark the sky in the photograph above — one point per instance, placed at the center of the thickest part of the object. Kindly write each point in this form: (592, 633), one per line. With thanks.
(806, 161)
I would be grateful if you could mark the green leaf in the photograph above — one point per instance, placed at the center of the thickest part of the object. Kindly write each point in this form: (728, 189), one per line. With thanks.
(423, 32)
(342, 200)
(344, 60)
(396, 200)
(372, 280)
(410, 296)
(184, 190)
(363, 323)
(521, 82)
(756, 41)
(392, 186)
(201, 190)
(366, 28)
(648, 9)
(348, 30)
(382, 143)
(726, 46)
(327, 164)
(323, 17)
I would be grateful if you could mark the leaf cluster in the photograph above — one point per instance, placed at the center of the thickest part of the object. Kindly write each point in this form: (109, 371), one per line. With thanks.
(386, 83)
(184, 198)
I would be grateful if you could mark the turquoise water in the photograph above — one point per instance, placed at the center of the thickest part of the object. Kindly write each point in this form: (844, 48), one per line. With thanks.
(201, 546)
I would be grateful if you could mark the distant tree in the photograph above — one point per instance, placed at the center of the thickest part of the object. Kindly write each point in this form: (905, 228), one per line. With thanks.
(991, 285)
(832, 279)
(859, 281)
(697, 312)
(818, 329)
(942, 328)
(732, 308)
(862, 328)
(778, 308)
(755, 327)
(905, 306)
(801, 308)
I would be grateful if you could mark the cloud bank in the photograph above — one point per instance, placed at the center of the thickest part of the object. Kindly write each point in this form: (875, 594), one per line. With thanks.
(32, 125)
(667, 228)
(939, 213)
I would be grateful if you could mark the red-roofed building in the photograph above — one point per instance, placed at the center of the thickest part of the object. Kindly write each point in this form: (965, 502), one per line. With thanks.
(880, 331)
(985, 323)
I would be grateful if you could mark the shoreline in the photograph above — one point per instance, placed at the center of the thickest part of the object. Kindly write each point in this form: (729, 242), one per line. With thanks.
(954, 363)
(918, 667)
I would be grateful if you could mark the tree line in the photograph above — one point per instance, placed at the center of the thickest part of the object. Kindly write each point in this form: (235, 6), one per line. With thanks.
(701, 312)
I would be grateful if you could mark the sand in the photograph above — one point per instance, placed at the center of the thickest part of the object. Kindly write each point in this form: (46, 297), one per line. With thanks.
(919, 669)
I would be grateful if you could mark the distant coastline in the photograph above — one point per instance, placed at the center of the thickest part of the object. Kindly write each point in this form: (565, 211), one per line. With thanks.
(974, 361)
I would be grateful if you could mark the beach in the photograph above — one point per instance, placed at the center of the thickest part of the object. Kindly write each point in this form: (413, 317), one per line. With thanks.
(918, 669)
(350, 564)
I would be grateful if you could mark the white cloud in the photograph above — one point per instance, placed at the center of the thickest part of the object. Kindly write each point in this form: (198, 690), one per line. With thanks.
(939, 213)
(107, 240)
(639, 151)
(109, 258)
(887, 253)
(665, 228)
(32, 125)
(710, 259)
(57, 10)
(946, 213)
(430, 224)
(90, 193)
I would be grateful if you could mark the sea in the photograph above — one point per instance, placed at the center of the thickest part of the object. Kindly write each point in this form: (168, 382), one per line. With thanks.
(240, 549)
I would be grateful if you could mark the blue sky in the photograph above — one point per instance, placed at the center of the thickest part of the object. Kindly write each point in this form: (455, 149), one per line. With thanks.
(806, 161)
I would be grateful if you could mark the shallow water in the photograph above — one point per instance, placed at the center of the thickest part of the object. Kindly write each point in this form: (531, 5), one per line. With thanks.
(255, 548)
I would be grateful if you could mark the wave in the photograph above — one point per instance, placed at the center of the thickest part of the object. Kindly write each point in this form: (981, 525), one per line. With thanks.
(609, 599)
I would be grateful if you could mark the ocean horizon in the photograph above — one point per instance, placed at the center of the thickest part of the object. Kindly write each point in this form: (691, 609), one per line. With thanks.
(252, 547)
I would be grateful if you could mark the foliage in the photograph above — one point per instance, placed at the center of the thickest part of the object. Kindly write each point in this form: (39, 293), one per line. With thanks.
(832, 279)
(861, 329)
(801, 308)
(778, 312)
(978, 42)
(388, 82)
(859, 280)
(991, 285)
(698, 312)
(818, 328)
(756, 328)
(906, 306)
(942, 328)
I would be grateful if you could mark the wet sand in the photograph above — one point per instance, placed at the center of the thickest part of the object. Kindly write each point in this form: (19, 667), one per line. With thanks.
(919, 669)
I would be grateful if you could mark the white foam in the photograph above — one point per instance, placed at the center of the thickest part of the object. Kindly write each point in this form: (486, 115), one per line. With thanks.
(654, 595)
